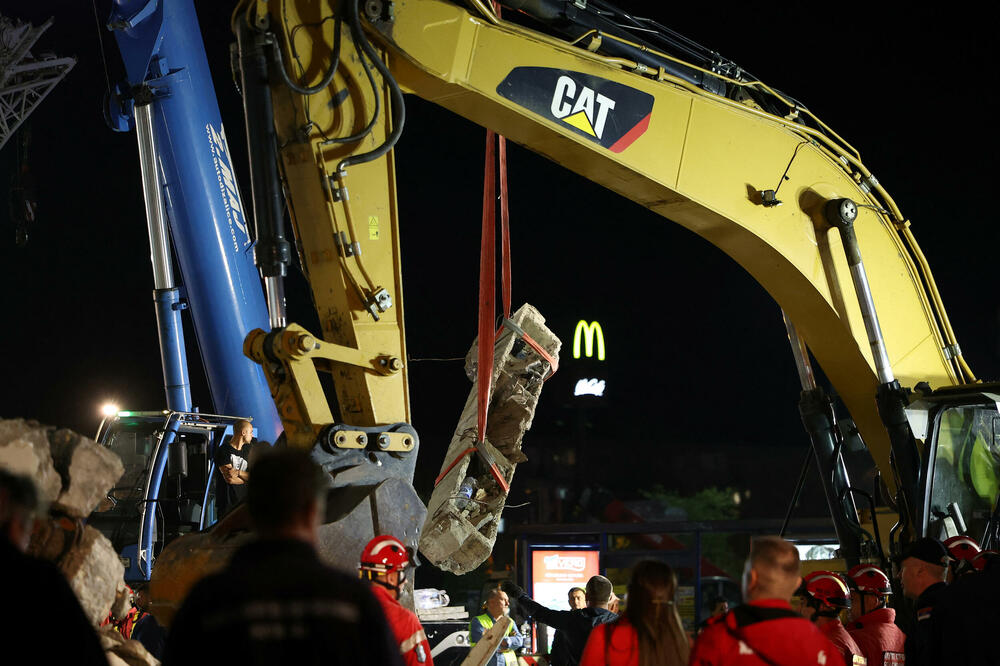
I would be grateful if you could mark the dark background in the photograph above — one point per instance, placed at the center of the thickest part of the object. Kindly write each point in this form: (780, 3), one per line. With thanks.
(702, 389)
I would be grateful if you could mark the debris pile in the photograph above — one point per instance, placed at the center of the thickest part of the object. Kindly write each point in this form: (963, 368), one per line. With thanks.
(462, 517)
(73, 474)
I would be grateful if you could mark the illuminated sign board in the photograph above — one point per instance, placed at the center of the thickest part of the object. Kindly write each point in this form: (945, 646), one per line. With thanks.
(555, 572)
(588, 342)
(591, 335)
(589, 387)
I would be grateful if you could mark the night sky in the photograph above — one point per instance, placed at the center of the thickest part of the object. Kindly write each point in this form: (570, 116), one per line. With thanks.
(696, 350)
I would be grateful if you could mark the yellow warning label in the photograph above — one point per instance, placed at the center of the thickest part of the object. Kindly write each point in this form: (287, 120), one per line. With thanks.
(580, 121)
(372, 227)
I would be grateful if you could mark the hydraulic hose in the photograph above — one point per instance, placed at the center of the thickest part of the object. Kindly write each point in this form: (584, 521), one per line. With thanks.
(398, 107)
(327, 78)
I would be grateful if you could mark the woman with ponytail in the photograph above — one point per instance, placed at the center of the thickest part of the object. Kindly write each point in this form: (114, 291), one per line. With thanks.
(650, 632)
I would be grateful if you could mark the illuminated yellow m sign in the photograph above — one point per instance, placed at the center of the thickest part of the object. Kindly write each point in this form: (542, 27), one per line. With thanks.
(587, 332)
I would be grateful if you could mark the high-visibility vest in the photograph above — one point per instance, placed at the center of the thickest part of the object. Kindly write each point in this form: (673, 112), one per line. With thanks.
(508, 655)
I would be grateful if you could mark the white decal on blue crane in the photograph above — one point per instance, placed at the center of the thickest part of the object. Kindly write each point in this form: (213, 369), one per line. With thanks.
(227, 185)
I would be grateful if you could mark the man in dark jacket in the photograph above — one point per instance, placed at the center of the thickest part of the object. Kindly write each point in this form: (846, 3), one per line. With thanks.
(574, 625)
(923, 569)
(40, 602)
(276, 602)
(765, 630)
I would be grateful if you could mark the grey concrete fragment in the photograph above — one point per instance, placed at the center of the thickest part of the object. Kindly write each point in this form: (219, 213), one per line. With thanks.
(24, 449)
(88, 469)
(456, 538)
(93, 570)
(134, 653)
(124, 652)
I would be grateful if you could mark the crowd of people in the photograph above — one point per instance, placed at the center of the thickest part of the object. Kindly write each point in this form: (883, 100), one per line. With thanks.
(276, 602)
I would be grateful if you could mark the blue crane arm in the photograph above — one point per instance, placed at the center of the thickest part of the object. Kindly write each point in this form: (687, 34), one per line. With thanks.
(167, 73)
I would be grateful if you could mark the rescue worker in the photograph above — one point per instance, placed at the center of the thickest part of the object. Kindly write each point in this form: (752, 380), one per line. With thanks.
(874, 624)
(574, 626)
(962, 550)
(123, 613)
(923, 568)
(765, 630)
(497, 604)
(383, 563)
(825, 595)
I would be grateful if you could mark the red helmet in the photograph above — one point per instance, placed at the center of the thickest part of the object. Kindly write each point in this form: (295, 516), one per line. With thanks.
(384, 554)
(962, 547)
(980, 560)
(869, 579)
(827, 588)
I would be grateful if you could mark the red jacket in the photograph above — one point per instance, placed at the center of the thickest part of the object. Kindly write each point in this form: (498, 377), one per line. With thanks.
(766, 632)
(406, 628)
(841, 640)
(880, 640)
(623, 649)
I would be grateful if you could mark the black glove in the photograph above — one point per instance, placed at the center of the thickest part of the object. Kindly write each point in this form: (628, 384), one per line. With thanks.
(513, 590)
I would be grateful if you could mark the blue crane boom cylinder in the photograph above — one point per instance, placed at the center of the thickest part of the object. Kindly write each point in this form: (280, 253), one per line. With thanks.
(166, 66)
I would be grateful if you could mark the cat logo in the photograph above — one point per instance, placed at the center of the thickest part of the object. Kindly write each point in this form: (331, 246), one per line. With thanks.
(605, 112)
(579, 110)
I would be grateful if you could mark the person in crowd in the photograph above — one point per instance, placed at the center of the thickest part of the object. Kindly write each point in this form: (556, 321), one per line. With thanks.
(962, 550)
(719, 607)
(147, 630)
(384, 562)
(276, 602)
(969, 613)
(577, 598)
(123, 613)
(40, 602)
(232, 460)
(497, 605)
(873, 626)
(923, 568)
(824, 595)
(650, 632)
(573, 626)
(765, 630)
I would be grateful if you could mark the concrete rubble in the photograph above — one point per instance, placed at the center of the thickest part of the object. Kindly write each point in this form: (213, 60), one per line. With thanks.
(73, 474)
(121, 651)
(459, 535)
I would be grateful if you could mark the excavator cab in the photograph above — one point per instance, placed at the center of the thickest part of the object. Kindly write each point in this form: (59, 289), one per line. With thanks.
(960, 431)
(167, 489)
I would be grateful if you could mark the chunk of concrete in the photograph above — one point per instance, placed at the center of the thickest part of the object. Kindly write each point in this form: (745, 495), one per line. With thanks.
(459, 535)
(24, 450)
(93, 570)
(88, 470)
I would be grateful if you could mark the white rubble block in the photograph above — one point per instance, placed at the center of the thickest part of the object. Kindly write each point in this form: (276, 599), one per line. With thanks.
(88, 469)
(93, 570)
(123, 652)
(24, 450)
(459, 538)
